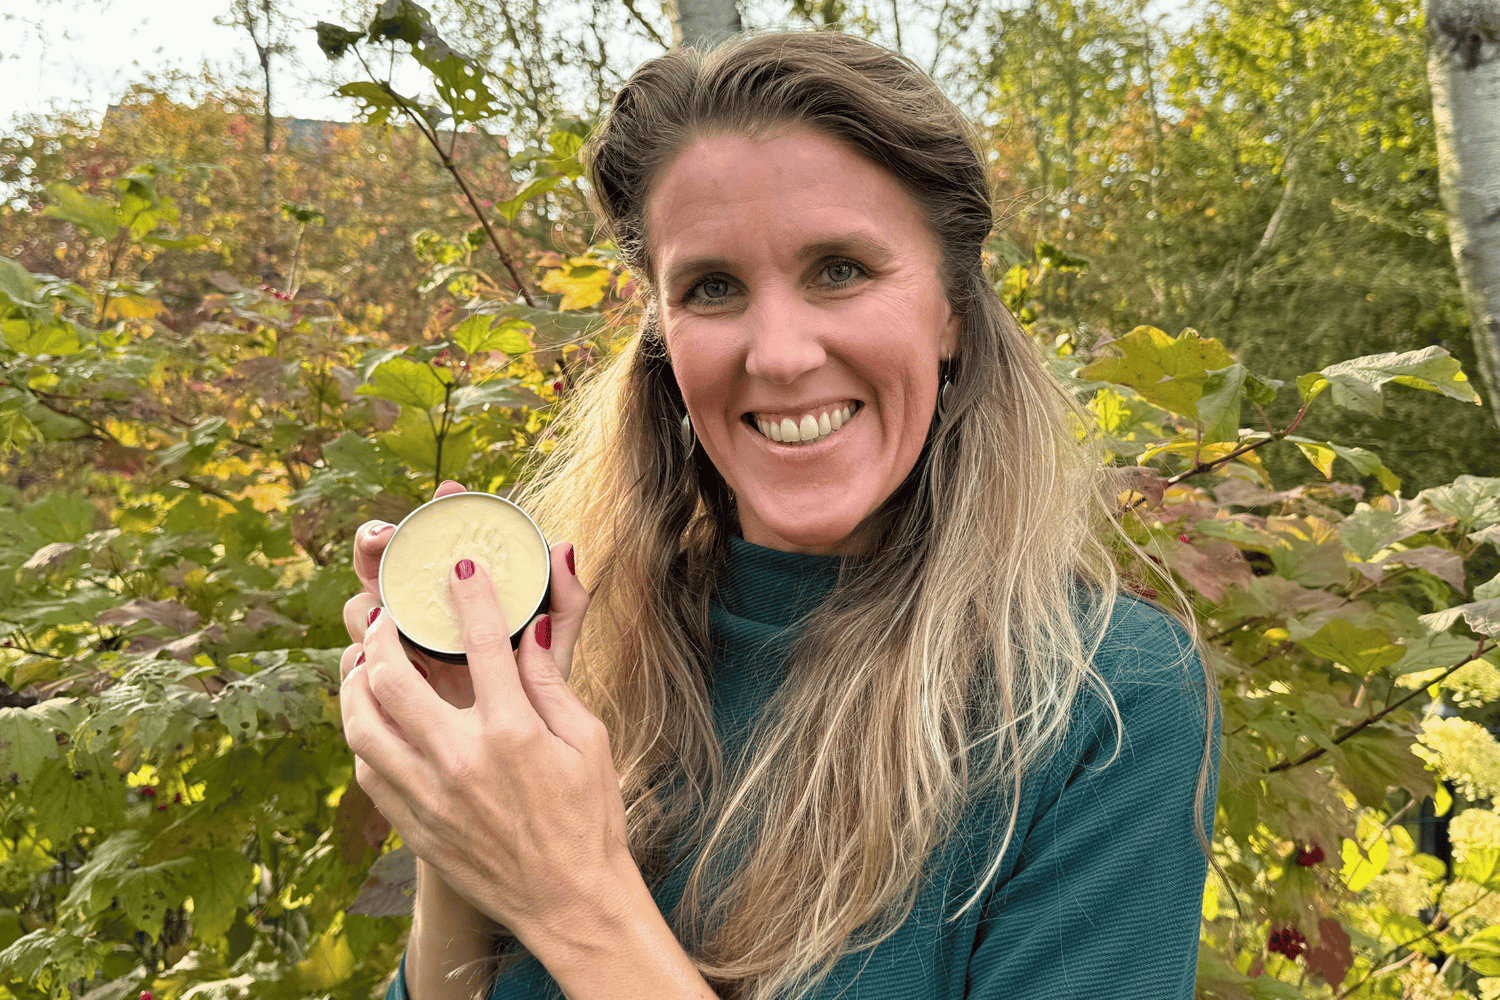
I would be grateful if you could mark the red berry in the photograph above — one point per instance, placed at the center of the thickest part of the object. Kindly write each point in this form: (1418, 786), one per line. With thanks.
(1287, 941)
(145, 995)
(148, 791)
(6, 643)
(162, 808)
(1309, 857)
(1184, 539)
(557, 386)
(177, 797)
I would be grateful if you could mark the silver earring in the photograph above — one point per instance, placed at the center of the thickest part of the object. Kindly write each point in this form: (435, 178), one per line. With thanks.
(947, 387)
(688, 441)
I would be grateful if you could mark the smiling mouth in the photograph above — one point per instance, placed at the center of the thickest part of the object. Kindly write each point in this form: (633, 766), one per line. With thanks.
(807, 429)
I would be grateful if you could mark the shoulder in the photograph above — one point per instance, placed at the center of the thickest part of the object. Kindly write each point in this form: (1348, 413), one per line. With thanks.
(1154, 675)
(1142, 642)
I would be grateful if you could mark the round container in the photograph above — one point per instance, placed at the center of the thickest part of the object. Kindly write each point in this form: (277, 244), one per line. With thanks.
(490, 530)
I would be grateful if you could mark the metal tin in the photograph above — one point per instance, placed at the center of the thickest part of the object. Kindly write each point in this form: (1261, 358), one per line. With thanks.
(422, 514)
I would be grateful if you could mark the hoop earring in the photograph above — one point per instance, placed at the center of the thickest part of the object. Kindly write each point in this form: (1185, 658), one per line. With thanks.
(689, 442)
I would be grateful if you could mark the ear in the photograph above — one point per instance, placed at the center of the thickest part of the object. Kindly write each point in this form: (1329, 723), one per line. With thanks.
(949, 340)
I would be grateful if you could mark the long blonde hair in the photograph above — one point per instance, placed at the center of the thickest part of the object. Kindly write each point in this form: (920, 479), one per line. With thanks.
(944, 662)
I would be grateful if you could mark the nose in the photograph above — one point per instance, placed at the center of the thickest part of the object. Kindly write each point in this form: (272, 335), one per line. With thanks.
(785, 339)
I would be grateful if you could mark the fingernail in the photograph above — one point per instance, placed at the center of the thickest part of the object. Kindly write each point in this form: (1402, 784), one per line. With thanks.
(571, 568)
(374, 614)
(359, 659)
(421, 670)
(464, 569)
(375, 533)
(544, 632)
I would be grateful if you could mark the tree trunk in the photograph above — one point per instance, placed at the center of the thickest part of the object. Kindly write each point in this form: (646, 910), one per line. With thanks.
(703, 23)
(1463, 68)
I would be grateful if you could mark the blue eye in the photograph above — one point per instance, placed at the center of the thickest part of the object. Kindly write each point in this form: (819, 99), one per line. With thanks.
(715, 283)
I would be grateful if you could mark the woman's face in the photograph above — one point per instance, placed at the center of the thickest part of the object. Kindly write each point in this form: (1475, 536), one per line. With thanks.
(805, 319)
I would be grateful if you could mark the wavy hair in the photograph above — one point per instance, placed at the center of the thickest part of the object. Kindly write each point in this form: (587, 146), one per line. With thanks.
(938, 668)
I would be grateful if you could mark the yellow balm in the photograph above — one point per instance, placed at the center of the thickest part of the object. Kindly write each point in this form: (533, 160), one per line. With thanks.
(493, 532)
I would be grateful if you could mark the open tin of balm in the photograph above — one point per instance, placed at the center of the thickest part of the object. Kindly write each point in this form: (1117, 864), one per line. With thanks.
(493, 532)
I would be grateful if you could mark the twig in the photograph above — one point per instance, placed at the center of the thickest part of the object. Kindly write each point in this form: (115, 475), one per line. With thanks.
(1319, 751)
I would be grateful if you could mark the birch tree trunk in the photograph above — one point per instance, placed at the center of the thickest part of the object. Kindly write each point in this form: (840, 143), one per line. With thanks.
(703, 23)
(1463, 68)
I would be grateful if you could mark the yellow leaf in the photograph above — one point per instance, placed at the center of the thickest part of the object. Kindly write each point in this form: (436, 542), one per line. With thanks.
(580, 285)
(132, 307)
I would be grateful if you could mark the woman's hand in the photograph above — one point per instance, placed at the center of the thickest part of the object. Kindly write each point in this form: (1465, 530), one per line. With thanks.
(513, 797)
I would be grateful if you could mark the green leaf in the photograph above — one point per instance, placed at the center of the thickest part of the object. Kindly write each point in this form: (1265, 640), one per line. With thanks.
(61, 517)
(476, 336)
(95, 215)
(26, 742)
(16, 283)
(375, 104)
(1472, 501)
(496, 392)
(1167, 372)
(1219, 406)
(1435, 652)
(459, 80)
(1481, 866)
(1482, 616)
(335, 39)
(511, 207)
(410, 383)
(220, 884)
(1357, 384)
(1362, 650)
(38, 340)
(399, 19)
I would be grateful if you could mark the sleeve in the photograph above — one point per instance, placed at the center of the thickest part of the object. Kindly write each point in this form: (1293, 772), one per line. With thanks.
(1106, 894)
(397, 990)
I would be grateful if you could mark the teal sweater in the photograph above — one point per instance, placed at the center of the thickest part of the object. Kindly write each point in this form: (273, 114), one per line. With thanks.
(1099, 892)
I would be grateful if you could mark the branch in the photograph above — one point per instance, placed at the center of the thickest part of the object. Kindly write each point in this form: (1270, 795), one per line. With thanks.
(1316, 752)
(448, 164)
(641, 20)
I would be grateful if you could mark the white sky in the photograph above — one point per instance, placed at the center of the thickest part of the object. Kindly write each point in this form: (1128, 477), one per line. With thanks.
(63, 54)
(82, 55)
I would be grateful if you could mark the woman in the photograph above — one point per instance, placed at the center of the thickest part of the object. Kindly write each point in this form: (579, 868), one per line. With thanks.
(858, 710)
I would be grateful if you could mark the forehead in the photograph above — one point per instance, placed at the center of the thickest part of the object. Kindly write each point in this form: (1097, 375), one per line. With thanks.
(730, 193)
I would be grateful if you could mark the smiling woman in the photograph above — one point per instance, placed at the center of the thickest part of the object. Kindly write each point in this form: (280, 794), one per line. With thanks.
(858, 709)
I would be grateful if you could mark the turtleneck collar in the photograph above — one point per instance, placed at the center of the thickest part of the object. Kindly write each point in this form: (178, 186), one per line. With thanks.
(772, 587)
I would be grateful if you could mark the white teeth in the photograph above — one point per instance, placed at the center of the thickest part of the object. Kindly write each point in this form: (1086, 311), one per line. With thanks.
(810, 428)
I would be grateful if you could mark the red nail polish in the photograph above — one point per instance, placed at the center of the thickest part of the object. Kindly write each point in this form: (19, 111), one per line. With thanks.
(374, 614)
(360, 659)
(571, 568)
(544, 632)
(464, 569)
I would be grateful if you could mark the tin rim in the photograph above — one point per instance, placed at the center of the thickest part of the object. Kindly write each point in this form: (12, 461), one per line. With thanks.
(460, 654)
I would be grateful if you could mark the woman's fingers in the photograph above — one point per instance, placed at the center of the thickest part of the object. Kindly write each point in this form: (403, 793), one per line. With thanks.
(369, 545)
(373, 536)
(569, 603)
(349, 659)
(357, 614)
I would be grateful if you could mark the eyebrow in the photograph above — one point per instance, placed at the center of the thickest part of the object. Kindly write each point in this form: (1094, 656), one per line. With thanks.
(852, 244)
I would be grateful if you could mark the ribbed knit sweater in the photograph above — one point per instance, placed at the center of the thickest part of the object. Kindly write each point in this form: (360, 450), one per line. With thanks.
(1098, 894)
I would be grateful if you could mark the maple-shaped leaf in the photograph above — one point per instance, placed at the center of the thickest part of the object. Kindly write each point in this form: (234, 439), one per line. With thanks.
(173, 614)
(1357, 383)
(1334, 954)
